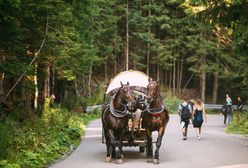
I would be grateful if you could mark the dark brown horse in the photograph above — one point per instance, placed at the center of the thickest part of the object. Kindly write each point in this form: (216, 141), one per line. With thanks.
(115, 119)
(155, 118)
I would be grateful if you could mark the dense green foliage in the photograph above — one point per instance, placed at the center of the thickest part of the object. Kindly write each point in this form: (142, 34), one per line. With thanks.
(40, 141)
(239, 124)
(172, 104)
(85, 42)
(62, 52)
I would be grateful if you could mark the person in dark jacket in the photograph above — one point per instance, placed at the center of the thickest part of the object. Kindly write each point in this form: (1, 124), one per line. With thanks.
(240, 104)
(223, 111)
(185, 112)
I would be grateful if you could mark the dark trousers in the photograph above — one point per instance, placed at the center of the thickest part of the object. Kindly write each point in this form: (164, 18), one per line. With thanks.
(225, 116)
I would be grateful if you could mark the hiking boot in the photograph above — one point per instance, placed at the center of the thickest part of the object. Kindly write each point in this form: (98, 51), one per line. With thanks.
(184, 136)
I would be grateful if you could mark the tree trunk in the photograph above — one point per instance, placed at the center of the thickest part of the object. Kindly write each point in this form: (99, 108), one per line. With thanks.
(158, 72)
(47, 81)
(24, 100)
(215, 89)
(115, 70)
(29, 103)
(178, 73)
(1, 86)
(148, 59)
(53, 82)
(203, 80)
(76, 88)
(165, 77)
(1, 77)
(36, 93)
(170, 80)
(216, 84)
(89, 82)
(127, 38)
(106, 71)
(148, 45)
(180, 76)
(174, 77)
(62, 93)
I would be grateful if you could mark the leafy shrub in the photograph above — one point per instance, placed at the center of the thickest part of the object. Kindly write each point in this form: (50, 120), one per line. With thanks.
(5, 164)
(40, 141)
(172, 104)
(239, 123)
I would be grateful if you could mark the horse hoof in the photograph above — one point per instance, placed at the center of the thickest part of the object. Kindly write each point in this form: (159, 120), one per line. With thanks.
(149, 160)
(108, 159)
(155, 161)
(119, 161)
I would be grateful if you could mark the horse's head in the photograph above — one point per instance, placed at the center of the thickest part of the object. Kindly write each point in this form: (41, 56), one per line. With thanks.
(126, 92)
(152, 90)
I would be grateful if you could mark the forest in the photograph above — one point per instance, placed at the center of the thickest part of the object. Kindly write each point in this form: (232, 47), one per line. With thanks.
(62, 53)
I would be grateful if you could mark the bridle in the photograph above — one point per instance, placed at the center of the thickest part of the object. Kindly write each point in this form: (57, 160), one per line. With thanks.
(155, 111)
(119, 113)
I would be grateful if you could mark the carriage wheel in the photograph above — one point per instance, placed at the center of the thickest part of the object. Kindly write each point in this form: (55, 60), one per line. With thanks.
(141, 149)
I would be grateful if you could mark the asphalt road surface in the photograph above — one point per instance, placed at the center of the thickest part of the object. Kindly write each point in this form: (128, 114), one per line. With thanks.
(215, 149)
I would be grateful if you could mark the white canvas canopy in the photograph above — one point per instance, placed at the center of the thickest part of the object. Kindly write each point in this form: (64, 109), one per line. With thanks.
(135, 78)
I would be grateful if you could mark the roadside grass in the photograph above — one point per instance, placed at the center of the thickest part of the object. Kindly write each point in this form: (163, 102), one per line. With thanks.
(40, 141)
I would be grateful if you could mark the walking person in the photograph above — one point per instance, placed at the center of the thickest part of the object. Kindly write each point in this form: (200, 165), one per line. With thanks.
(199, 113)
(191, 103)
(240, 105)
(229, 109)
(223, 111)
(185, 112)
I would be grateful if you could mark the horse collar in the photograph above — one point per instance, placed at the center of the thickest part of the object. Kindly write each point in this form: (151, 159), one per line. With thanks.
(155, 111)
(115, 112)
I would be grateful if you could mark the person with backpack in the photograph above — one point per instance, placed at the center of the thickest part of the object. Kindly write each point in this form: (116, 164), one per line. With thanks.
(198, 113)
(185, 112)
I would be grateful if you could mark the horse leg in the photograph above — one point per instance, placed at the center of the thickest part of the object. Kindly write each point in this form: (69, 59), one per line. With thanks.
(113, 155)
(120, 152)
(158, 144)
(149, 146)
(108, 145)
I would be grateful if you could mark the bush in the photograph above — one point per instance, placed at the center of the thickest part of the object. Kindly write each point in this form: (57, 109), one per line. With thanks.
(40, 141)
(172, 104)
(239, 123)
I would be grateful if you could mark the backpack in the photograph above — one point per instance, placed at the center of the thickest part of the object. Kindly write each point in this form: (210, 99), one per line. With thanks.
(185, 115)
(198, 115)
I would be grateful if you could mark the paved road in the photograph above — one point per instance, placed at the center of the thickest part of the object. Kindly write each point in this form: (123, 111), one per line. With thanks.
(215, 149)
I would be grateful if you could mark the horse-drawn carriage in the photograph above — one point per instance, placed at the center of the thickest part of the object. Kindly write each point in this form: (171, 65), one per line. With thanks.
(134, 135)
(127, 108)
